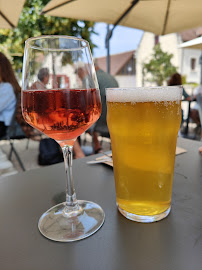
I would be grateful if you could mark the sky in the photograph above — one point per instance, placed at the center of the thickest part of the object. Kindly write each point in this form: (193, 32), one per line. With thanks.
(123, 39)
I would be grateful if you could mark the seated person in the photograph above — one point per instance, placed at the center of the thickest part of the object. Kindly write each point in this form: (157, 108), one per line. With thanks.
(43, 79)
(198, 96)
(7, 106)
(176, 79)
(105, 80)
(40, 84)
(9, 89)
(197, 91)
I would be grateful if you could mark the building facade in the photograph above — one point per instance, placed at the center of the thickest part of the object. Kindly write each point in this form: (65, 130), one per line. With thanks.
(122, 67)
(186, 60)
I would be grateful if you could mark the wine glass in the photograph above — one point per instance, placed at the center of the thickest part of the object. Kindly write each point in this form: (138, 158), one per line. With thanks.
(60, 97)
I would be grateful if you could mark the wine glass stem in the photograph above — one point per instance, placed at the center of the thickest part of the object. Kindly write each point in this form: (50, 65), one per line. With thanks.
(71, 201)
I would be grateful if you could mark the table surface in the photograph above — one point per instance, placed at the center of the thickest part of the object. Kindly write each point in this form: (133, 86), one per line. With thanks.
(174, 243)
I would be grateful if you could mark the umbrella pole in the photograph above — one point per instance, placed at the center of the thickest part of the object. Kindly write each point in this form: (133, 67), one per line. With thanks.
(108, 36)
(7, 20)
(110, 31)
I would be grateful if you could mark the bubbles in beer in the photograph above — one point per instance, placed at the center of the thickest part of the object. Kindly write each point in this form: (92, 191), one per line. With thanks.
(144, 94)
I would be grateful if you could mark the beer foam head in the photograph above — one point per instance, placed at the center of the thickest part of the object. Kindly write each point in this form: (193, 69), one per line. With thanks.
(144, 94)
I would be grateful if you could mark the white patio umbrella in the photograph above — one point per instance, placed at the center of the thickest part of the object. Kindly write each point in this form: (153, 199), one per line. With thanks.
(157, 16)
(10, 11)
(194, 44)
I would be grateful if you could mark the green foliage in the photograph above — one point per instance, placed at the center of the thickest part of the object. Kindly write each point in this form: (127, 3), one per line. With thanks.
(192, 84)
(184, 79)
(5, 51)
(31, 24)
(159, 68)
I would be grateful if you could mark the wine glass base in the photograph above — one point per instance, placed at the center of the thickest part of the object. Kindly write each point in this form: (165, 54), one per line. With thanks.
(57, 225)
(144, 219)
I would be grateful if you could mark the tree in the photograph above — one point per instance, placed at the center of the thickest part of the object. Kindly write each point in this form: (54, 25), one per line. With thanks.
(32, 23)
(159, 68)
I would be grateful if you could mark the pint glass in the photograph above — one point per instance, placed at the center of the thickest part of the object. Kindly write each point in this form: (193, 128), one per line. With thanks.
(143, 125)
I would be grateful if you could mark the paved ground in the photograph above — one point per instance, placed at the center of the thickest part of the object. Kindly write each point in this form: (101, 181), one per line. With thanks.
(28, 156)
(28, 152)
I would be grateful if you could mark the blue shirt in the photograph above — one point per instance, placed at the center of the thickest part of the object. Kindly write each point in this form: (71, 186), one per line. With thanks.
(7, 103)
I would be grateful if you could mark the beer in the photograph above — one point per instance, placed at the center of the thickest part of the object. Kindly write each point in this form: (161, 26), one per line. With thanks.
(143, 125)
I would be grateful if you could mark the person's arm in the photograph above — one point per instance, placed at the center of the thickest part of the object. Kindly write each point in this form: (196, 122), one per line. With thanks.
(185, 95)
(78, 152)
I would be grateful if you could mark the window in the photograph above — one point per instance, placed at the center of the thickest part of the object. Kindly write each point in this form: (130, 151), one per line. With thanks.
(123, 71)
(128, 68)
(193, 64)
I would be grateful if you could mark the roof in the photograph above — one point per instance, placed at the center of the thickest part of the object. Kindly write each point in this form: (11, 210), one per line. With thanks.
(117, 61)
(191, 34)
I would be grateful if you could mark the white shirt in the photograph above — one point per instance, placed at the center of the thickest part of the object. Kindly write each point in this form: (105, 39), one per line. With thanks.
(7, 102)
(198, 90)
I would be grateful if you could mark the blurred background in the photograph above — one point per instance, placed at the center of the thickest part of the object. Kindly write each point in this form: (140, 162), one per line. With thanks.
(138, 55)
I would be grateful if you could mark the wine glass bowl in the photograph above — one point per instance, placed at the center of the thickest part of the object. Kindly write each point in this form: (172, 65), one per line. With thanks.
(71, 102)
(62, 114)
(60, 97)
